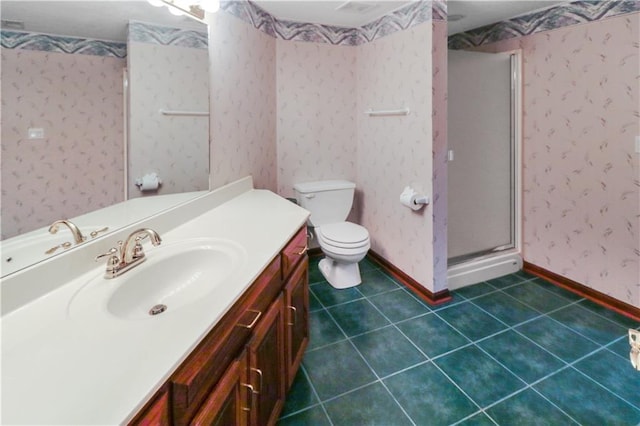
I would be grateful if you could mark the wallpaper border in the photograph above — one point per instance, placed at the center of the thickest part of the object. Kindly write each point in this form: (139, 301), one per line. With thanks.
(549, 19)
(401, 19)
(143, 32)
(61, 44)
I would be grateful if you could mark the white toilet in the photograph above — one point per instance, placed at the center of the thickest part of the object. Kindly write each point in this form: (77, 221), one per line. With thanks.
(343, 243)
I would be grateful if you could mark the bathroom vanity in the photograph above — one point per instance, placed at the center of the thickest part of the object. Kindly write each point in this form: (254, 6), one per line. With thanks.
(240, 372)
(75, 351)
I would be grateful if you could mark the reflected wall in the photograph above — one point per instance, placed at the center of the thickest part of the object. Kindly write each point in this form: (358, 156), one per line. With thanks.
(168, 108)
(76, 167)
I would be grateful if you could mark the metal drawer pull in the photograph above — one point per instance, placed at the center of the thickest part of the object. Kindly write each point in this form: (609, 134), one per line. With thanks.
(247, 385)
(257, 370)
(255, 320)
(304, 250)
(295, 315)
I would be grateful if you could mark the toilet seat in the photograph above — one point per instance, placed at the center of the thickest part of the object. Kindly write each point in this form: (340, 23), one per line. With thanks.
(344, 236)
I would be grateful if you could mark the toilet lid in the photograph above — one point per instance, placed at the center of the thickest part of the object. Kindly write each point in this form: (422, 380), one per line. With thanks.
(342, 233)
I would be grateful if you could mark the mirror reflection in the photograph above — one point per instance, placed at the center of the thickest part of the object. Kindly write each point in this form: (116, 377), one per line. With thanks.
(96, 97)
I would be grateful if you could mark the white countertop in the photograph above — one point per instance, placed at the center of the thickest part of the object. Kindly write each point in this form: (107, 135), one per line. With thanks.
(59, 368)
(29, 248)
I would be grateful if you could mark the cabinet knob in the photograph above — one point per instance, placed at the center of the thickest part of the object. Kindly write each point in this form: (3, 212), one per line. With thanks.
(304, 250)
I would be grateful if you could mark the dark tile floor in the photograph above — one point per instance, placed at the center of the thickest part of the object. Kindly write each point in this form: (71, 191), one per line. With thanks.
(511, 351)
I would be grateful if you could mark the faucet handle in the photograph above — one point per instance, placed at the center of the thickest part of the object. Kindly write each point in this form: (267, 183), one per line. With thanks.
(113, 262)
(112, 253)
(138, 251)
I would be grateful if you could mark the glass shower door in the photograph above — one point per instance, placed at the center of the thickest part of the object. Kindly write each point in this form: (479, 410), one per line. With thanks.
(481, 193)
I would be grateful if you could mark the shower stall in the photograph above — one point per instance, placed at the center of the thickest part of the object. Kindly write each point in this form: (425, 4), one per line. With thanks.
(484, 166)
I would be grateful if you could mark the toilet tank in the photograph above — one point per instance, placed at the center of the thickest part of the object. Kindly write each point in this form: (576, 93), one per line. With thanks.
(328, 201)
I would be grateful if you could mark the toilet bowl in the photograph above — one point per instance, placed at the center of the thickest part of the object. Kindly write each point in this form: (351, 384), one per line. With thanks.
(344, 245)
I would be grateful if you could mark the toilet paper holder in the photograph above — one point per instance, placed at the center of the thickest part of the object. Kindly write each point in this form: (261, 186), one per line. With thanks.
(410, 198)
(148, 182)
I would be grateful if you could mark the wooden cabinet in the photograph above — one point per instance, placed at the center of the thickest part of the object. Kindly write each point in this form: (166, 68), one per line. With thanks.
(240, 372)
(228, 403)
(156, 413)
(267, 373)
(294, 252)
(193, 380)
(296, 292)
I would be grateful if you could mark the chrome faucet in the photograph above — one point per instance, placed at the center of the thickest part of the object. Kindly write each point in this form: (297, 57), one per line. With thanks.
(128, 254)
(77, 235)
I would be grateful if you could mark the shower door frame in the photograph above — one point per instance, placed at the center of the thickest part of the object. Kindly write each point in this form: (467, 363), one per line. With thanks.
(467, 261)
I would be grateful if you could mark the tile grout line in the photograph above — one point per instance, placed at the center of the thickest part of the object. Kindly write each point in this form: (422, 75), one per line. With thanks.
(542, 314)
(512, 328)
(371, 368)
(429, 359)
(473, 343)
(567, 365)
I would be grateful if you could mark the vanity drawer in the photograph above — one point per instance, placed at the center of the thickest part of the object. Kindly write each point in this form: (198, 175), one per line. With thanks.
(193, 381)
(294, 251)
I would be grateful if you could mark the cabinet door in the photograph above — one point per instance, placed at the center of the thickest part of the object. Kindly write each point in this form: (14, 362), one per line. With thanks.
(156, 414)
(194, 379)
(297, 312)
(229, 401)
(266, 373)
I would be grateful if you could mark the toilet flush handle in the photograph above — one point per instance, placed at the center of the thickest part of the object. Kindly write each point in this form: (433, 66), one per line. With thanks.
(309, 196)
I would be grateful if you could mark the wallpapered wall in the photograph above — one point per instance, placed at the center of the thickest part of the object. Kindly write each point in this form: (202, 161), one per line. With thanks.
(78, 166)
(243, 103)
(316, 113)
(439, 131)
(177, 148)
(322, 89)
(395, 72)
(581, 174)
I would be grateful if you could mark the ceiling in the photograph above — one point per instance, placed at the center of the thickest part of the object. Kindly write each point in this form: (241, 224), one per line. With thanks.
(107, 20)
(102, 20)
(343, 13)
(479, 13)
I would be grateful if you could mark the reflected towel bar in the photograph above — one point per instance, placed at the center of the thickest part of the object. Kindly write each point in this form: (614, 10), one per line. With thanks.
(184, 113)
(403, 111)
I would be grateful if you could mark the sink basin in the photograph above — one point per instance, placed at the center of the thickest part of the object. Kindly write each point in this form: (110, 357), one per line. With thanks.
(172, 277)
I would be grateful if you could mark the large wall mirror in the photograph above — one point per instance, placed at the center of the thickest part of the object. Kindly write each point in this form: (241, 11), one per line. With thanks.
(98, 99)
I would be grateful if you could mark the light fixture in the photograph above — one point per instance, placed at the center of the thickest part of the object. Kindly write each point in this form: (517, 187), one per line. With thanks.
(211, 6)
(194, 8)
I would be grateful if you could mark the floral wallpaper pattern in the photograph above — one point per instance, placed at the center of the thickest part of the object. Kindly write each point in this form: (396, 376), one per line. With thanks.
(243, 103)
(78, 166)
(439, 154)
(396, 151)
(174, 147)
(581, 175)
(53, 43)
(389, 155)
(555, 17)
(316, 113)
